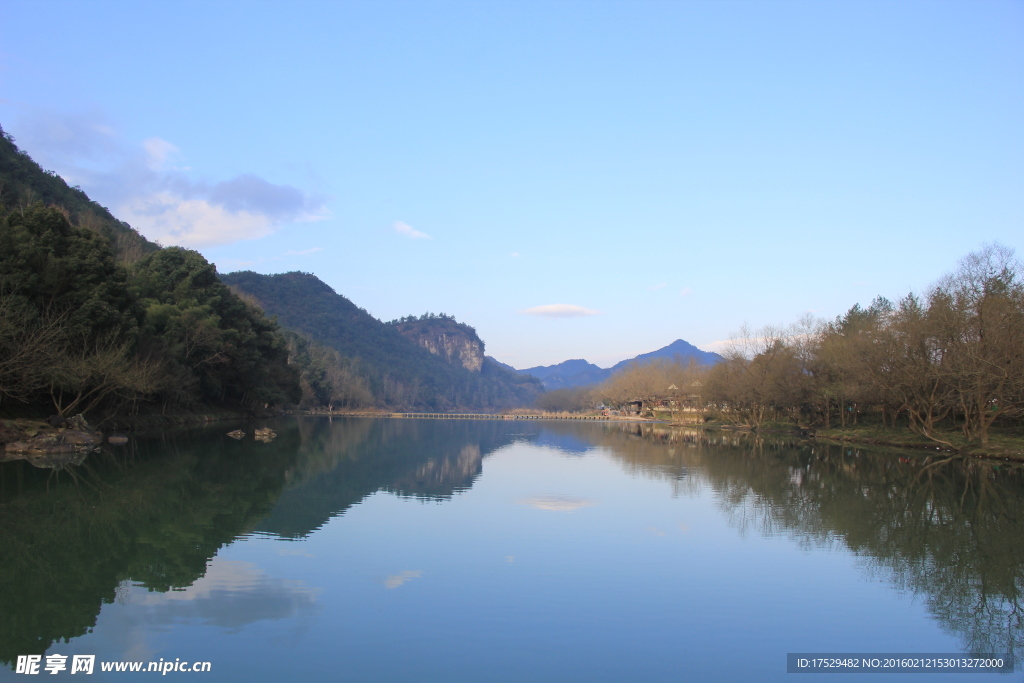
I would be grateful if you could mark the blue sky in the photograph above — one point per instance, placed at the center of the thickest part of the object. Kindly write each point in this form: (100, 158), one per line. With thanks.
(575, 179)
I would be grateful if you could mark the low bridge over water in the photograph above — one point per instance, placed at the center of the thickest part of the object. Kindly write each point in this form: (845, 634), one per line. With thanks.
(481, 416)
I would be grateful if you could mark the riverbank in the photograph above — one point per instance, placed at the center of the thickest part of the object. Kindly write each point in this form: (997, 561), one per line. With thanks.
(40, 434)
(1002, 445)
(517, 414)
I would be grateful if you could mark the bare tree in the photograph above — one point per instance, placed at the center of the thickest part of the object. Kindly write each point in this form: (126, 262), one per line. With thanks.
(978, 315)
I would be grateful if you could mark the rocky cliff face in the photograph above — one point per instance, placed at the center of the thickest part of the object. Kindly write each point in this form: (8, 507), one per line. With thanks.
(457, 343)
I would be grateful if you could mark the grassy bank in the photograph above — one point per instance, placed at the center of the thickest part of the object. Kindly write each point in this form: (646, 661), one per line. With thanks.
(1004, 445)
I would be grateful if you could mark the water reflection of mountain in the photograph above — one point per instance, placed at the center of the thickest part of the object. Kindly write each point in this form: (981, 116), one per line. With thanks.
(432, 459)
(947, 529)
(156, 512)
(153, 513)
(570, 444)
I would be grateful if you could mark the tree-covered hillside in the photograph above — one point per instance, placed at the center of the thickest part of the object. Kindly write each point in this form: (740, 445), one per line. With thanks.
(23, 183)
(95, 319)
(397, 370)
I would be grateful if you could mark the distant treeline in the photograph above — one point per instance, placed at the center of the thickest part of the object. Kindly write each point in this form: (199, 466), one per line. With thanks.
(950, 358)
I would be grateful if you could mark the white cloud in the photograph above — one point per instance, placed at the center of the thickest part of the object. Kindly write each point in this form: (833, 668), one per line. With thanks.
(686, 292)
(515, 254)
(304, 252)
(556, 503)
(230, 595)
(157, 151)
(192, 222)
(716, 346)
(749, 344)
(396, 580)
(409, 231)
(655, 288)
(560, 311)
(141, 186)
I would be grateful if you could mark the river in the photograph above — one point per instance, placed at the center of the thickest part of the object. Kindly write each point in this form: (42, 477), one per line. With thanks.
(360, 549)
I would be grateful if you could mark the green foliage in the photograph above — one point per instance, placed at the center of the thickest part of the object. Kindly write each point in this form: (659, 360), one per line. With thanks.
(50, 266)
(397, 371)
(70, 322)
(218, 347)
(74, 333)
(328, 379)
(24, 183)
(436, 327)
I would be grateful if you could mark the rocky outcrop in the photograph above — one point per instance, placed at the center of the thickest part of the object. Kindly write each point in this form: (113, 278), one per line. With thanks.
(54, 445)
(457, 343)
(467, 352)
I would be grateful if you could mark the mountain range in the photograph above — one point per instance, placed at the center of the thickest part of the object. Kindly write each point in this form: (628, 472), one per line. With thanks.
(213, 350)
(578, 372)
(430, 362)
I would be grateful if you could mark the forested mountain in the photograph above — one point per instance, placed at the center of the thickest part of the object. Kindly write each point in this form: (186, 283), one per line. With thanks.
(679, 350)
(443, 336)
(569, 373)
(23, 183)
(96, 319)
(429, 363)
(579, 373)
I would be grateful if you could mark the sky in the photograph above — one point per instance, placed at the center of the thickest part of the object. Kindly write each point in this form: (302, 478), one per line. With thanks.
(573, 179)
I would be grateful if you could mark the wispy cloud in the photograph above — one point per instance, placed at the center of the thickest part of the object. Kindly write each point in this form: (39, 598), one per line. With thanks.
(409, 231)
(686, 292)
(396, 580)
(515, 254)
(716, 346)
(560, 311)
(655, 288)
(556, 503)
(144, 184)
(304, 252)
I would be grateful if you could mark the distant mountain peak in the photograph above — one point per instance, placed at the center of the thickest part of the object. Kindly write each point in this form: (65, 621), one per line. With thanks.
(578, 372)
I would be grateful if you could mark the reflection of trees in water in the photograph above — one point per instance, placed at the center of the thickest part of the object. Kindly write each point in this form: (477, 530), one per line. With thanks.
(153, 513)
(428, 459)
(157, 511)
(948, 529)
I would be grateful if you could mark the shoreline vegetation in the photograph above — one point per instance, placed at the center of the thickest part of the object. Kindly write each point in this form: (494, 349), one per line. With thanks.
(96, 322)
(942, 370)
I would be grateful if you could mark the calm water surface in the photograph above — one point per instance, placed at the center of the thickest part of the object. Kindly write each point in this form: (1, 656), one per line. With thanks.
(428, 550)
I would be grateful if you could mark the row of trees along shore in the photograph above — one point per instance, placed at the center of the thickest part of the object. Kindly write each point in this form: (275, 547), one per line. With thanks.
(951, 358)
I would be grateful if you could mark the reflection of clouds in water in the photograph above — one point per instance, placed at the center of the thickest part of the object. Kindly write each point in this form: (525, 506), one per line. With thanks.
(230, 595)
(296, 553)
(655, 530)
(563, 443)
(396, 580)
(557, 503)
(510, 558)
(683, 527)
